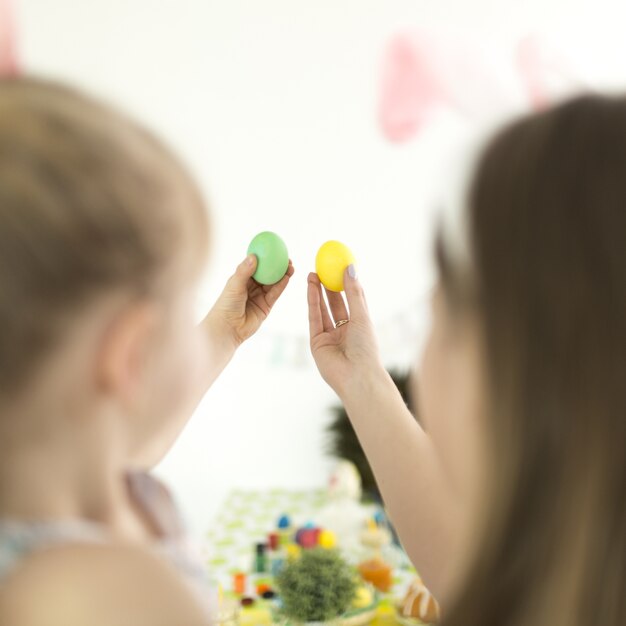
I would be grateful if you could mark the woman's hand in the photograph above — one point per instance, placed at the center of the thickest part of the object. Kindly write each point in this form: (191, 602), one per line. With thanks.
(343, 351)
(244, 304)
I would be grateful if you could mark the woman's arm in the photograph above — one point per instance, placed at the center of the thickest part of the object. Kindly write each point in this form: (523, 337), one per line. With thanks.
(402, 456)
(407, 471)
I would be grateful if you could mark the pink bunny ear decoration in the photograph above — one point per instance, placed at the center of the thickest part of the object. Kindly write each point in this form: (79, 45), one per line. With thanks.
(410, 89)
(423, 72)
(8, 60)
(546, 73)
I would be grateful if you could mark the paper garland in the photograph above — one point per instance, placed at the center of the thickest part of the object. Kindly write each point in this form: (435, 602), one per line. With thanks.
(398, 338)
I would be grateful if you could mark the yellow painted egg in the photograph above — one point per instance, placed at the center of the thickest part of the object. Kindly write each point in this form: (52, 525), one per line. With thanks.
(293, 551)
(331, 262)
(362, 598)
(327, 540)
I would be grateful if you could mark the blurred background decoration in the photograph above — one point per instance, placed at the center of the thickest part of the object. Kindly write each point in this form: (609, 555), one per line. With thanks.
(317, 120)
(8, 59)
(428, 70)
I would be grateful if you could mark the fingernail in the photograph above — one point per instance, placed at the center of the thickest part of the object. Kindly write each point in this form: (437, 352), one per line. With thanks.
(250, 260)
(352, 271)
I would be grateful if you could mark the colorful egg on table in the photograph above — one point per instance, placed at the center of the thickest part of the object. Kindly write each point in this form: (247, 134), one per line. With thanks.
(307, 537)
(327, 540)
(272, 257)
(363, 598)
(293, 551)
(377, 573)
(284, 522)
(331, 262)
(261, 588)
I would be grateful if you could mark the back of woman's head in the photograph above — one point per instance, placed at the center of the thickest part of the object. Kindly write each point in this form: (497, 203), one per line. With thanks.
(547, 233)
(90, 202)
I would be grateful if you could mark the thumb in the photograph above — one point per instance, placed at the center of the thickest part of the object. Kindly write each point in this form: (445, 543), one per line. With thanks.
(239, 280)
(355, 294)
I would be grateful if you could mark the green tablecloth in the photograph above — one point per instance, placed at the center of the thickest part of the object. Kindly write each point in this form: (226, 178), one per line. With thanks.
(248, 516)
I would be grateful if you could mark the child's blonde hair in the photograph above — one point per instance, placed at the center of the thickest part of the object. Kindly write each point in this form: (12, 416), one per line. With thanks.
(89, 202)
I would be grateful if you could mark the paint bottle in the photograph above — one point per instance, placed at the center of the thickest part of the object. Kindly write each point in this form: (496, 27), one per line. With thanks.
(239, 583)
(285, 530)
(273, 541)
(260, 562)
(277, 561)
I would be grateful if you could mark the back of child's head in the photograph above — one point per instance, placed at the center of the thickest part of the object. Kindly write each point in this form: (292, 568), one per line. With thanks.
(90, 203)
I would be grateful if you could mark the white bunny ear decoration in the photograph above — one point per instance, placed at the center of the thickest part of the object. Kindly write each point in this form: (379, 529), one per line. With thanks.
(547, 74)
(8, 59)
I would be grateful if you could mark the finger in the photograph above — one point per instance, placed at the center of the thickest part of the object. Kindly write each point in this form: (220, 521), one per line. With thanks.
(316, 324)
(319, 319)
(239, 280)
(328, 322)
(337, 305)
(355, 295)
(275, 291)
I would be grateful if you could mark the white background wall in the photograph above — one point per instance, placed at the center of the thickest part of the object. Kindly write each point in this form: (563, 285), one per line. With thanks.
(273, 105)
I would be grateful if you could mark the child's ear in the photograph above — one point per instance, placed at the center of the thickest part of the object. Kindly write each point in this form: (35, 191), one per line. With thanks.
(125, 350)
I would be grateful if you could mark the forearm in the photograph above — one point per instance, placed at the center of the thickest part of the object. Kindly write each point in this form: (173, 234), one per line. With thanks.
(221, 348)
(408, 474)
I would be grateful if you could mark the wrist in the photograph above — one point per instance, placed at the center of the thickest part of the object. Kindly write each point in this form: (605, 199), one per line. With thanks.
(372, 395)
(223, 342)
(365, 384)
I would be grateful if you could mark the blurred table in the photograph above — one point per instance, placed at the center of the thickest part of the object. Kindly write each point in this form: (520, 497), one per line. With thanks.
(247, 517)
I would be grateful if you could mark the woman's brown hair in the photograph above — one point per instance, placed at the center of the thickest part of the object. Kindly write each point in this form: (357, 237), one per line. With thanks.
(547, 232)
(89, 202)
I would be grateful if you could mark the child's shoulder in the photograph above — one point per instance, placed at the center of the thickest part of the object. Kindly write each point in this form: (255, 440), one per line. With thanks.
(100, 585)
(157, 502)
